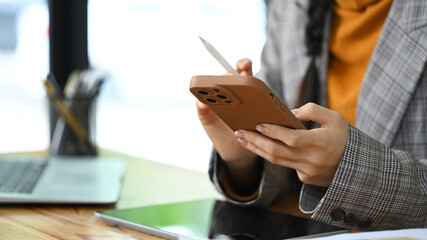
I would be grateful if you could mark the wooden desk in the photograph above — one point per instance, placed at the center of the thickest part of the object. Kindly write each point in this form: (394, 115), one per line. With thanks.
(145, 183)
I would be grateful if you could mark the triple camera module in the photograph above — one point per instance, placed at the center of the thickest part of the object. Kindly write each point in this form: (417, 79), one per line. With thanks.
(214, 96)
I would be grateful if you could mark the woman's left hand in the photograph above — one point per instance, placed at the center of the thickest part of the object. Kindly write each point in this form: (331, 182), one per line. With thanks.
(315, 154)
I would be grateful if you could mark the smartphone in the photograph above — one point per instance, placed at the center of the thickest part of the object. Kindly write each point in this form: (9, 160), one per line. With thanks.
(243, 102)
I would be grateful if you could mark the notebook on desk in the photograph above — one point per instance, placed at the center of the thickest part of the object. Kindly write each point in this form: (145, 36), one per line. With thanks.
(73, 180)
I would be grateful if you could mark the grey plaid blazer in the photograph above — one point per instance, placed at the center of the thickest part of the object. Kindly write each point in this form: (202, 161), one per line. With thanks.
(381, 182)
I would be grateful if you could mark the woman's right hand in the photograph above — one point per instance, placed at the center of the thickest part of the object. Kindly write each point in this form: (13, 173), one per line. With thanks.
(241, 163)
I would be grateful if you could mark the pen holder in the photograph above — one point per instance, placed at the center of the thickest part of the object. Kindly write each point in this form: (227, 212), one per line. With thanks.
(72, 125)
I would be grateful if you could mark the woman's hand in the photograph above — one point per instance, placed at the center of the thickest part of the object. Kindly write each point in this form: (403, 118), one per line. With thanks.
(315, 154)
(220, 134)
(241, 163)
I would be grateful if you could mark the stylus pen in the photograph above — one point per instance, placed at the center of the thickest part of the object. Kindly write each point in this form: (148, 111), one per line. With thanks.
(218, 57)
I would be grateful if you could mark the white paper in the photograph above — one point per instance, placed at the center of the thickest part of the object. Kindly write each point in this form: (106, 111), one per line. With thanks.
(416, 234)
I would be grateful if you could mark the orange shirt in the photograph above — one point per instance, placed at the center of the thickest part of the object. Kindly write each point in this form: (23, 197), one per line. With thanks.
(356, 26)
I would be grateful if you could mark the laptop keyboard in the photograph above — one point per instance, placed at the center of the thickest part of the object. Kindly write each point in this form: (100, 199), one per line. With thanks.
(19, 175)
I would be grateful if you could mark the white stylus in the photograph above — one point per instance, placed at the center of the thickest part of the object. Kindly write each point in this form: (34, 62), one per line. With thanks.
(218, 57)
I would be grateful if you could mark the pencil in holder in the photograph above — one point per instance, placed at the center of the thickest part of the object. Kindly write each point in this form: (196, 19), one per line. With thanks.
(73, 126)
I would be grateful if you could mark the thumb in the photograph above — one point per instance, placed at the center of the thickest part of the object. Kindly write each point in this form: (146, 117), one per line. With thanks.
(244, 67)
(316, 113)
(202, 109)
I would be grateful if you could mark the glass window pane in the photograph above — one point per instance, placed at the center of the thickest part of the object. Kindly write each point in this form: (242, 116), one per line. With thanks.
(23, 65)
(151, 48)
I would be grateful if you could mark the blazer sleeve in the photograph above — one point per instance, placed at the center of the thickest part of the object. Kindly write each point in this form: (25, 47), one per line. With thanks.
(375, 187)
(274, 181)
(273, 184)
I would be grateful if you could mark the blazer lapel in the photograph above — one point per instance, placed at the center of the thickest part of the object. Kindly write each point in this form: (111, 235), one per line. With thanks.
(394, 70)
(294, 59)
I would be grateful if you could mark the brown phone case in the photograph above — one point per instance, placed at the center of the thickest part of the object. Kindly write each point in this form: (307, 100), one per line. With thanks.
(242, 102)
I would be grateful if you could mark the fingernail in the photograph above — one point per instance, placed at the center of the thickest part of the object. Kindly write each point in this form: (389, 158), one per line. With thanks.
(246, 60)
(261, 128)
(242, 142)
(295, 111)
(239, 134)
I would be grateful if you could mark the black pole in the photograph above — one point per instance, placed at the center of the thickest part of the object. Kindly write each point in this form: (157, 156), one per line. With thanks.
(68, 49)
(68, 38)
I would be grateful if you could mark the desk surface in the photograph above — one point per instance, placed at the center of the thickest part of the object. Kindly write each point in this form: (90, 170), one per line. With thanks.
(145, 183)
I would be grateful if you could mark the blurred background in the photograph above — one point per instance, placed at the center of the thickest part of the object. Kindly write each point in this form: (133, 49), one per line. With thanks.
(150, 49)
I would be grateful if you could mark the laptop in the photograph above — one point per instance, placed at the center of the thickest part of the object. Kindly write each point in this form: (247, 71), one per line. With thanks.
(60, 180)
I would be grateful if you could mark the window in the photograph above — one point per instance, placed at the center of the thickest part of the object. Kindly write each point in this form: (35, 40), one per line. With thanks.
(23, 65)
(151, 50)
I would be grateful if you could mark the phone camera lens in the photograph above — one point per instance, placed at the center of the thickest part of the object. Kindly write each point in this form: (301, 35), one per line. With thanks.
(203, 92)
(211, 100)
(271, 96)
(222, 96)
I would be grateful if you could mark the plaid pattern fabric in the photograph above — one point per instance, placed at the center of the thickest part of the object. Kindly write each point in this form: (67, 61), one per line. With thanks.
(381, 182)
(280, 174)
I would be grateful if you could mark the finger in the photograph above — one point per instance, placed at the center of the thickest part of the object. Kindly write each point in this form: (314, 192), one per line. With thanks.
(244, 67)
(291, 137)
(285, 162)
(274, 149)
(202, 108)
(316, 113)
(207, 117)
